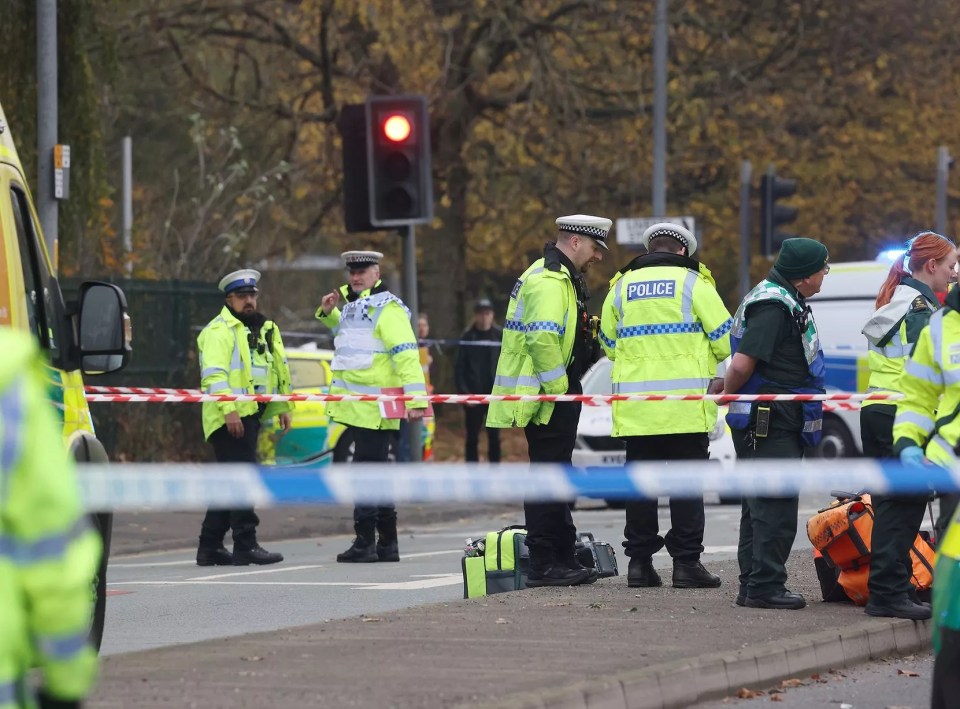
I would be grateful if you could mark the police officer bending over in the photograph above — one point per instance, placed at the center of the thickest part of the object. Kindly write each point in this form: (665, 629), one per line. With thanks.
(666, 329)
(776, 351)
(241, 352)
(375, 350)
(547, 347)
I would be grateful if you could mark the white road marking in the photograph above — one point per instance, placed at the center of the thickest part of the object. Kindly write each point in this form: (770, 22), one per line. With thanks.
(435, 582)
(421, 554)
(152, 563)
(241, 583)
(276, 570)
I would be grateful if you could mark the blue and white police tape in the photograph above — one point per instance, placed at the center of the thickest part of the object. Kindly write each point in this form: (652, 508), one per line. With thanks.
(182, 487)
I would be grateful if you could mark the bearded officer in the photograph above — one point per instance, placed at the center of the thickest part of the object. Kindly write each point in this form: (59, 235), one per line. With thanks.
(547, 347)
(241, 352)
(666, 329)
(375, 349)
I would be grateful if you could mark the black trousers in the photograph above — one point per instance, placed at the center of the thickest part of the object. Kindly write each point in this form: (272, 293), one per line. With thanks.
(243, 522)
(473, 419)
(684, 541)
(551, 534)
(896, 518)
(369, 521)
(768, 525)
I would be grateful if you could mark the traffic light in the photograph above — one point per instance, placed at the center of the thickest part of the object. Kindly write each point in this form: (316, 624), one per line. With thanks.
(772, 215)
(400, 185)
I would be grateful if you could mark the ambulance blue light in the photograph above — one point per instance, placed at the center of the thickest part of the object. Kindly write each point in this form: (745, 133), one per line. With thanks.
(890, 255)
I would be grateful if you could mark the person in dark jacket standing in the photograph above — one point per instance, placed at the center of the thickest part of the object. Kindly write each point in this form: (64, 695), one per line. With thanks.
(474, 372)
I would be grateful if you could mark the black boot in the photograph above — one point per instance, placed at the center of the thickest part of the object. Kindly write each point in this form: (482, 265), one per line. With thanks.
(255, 555)
(362, 551)
(641, 574)
(901, 608)
(545, 570)
(569, 560)
(389, 551)
(691, 574)
(216, 556)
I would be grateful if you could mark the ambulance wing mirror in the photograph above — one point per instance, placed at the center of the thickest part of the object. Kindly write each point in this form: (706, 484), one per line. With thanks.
(103, 326)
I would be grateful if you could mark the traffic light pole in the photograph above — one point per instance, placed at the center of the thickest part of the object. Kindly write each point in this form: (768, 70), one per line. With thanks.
(943, 176)
(746, 173)
(408, 234)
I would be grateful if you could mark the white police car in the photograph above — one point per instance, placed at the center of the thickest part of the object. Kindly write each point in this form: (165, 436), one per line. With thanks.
(596, 447)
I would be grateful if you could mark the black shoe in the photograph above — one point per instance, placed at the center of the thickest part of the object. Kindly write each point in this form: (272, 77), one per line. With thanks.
(255, 555)
(556, 576)
(740, 600)
(641, 574)
(360, 552)
(784, 601)
(571, 562)
(904, 608)
(214, 557)
(388, 552)
(691, 574)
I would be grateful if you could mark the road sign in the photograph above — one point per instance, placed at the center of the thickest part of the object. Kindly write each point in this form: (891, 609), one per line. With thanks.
(630, 230)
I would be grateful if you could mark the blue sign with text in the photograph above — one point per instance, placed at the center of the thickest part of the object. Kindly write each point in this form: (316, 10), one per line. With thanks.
(651, 289)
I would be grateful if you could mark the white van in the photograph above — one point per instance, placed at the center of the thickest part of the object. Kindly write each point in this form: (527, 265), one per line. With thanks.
(841, 309)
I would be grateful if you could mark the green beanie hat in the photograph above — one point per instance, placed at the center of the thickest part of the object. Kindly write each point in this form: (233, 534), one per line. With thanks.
(800, 258)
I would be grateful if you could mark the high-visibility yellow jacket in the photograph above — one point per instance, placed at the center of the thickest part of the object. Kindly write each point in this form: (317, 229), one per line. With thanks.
(929, 414)
(538, 338)
(665, 328)
(227, 366)
(375, 350)
(891, 333)
(48, 553)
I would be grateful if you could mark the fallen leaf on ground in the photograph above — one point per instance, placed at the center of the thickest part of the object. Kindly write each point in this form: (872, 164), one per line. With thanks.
(745, 693)
(907, 673)
(787, 683)
(595, 605)
(776, 697)
(370, 619)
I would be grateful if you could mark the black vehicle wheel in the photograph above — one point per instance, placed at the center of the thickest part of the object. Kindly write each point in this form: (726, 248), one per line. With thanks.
(103, 523)
(836, 441)
(346, 447)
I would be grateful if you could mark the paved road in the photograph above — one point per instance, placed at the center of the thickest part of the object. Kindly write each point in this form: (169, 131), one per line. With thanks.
(892, 683)
(162, 599)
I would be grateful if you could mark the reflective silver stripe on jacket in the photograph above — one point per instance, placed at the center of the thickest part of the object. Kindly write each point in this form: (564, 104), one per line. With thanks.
(686, 303)
(52, 546)
(63, 647)
(662, 386)
(552, 375)
(11, 411)
(415, 388)
(941, 442)
(811, 426)
(503, 380)
(923, 371)
(356, 388)
(922, 421)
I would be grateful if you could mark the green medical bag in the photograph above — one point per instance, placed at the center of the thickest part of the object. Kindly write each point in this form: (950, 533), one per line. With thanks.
(497, 563)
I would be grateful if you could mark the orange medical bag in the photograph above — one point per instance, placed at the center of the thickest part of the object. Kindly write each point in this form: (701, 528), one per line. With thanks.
(841, 532)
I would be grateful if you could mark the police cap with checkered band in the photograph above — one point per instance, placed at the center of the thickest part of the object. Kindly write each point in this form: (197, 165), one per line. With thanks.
(674, 231)
(359, 260)
(596, 228)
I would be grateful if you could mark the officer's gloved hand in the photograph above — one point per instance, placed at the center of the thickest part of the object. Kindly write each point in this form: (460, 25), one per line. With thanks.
(45, 701)
(912, 455)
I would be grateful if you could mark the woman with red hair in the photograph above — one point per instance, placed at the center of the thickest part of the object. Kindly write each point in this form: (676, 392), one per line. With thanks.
(905, 303)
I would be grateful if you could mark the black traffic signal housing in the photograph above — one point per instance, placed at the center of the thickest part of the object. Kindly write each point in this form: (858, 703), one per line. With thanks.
(400, 184)
(773, 215)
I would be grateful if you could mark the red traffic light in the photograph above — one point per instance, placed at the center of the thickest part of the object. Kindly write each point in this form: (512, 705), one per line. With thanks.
(397, 128)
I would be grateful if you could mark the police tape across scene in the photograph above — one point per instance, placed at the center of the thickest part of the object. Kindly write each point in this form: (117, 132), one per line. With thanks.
(159, 395)
(126, 487)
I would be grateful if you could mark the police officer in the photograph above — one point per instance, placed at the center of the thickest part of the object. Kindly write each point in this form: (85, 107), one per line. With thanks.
(905, 303)
(547, 346)
(777, 351)
(927, 427)
(375, 350)
(241, 352)
(666, 329)
(473, 372)
(48, 553)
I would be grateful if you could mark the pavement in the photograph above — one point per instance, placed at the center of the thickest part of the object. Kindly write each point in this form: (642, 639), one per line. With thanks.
(603, 646)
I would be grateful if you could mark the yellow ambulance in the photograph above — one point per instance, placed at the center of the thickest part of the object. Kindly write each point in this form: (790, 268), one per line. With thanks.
(90, 336)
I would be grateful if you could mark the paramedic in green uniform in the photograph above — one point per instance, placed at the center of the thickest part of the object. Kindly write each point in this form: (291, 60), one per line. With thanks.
(905, 303)
(776, 351)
